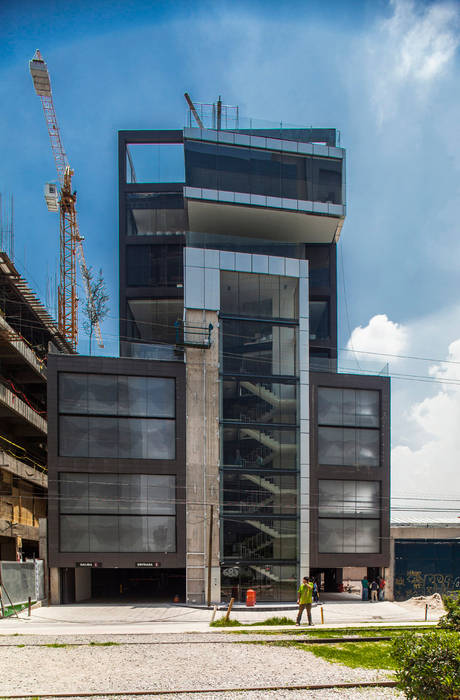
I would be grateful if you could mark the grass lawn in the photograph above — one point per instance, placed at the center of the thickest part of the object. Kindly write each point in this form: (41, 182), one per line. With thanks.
(352, 654)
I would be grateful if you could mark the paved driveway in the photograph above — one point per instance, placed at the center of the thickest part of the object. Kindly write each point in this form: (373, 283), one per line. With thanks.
(149, 618)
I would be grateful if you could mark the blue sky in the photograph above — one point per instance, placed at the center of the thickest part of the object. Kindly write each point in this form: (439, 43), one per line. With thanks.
(383, 72)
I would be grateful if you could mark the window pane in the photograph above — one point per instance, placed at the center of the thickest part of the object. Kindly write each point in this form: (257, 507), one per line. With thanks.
(73, 493)
(259, 449)
(103, 437)
(160, 493)
(368, 408)
(368, 536)
(134, 535)
(319, 320)
(356, 407)
(259, 402)
(263, 493)
(73, 396)
(103, 493)
(73, 436)
(329, 406)
(102, 394)
(349, 447)
(258, 348)
(103, 533)
(153, 319)
(259, 296)
(368, 448)
(352, 536)
(252, 540)
(146, 438)
(330, 446)
(349, 498)
(74, 533)
(162, 534)
(155, 162)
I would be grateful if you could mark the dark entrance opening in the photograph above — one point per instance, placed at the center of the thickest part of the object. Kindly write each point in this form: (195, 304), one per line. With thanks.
(157, 585)
(329, 580)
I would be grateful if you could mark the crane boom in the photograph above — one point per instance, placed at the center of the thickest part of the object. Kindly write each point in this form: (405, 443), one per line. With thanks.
(70, 238)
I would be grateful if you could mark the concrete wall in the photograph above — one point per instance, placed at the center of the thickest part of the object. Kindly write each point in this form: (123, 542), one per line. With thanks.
(82, 584)
(202, 461)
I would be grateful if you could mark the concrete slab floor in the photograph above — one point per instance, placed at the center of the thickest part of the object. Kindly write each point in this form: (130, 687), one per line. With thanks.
(151, 618)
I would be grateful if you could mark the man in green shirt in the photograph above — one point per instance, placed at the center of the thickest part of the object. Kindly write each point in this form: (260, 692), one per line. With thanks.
(304, 599)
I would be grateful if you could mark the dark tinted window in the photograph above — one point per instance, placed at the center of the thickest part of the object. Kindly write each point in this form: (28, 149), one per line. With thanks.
(258, 348)
(271, 173)
(319, 320)
(154, 265)
(152, 320)
(261, 296)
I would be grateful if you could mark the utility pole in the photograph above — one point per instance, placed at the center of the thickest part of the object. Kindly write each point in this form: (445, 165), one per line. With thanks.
(211, 522)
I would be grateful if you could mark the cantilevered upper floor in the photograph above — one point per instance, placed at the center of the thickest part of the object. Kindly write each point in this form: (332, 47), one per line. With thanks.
(279, 184)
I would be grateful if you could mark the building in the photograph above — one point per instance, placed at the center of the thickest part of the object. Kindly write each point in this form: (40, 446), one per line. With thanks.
(425, 557)
(276, 464)
(26, 331)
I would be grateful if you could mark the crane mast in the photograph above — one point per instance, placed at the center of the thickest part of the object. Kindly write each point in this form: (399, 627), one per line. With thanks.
(70, 238)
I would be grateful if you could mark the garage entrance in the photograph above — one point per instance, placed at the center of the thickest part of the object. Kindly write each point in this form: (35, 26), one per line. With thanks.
(159, 585)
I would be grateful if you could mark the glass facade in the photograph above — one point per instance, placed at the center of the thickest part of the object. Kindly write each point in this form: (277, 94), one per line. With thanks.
(340, 443)
(258, 171)
(155, 162)
(261, 348)
(117, 513)
(154, 265)
(259, 431)
(155, 214)
(116, 416)
(152, 320)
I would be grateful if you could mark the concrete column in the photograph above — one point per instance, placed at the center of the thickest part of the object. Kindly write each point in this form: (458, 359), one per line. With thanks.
(43, 552)
(202, 461)
(55, 586)
(82, 584)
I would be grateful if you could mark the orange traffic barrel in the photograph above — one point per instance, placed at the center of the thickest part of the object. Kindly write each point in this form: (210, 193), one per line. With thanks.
(250, 598)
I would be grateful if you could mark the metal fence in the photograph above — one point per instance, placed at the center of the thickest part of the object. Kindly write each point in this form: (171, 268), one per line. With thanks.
(21, 581)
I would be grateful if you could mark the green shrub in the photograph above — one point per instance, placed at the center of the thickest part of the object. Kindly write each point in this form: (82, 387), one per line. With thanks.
(451, 620)
(222, 622)
(275, 621)
(428, 665)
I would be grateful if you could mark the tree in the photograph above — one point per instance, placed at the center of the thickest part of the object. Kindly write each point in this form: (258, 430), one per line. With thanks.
(95, 308)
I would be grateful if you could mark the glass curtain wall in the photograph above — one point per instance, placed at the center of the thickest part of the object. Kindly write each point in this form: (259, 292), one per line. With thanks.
(259, 420)
(349, 516)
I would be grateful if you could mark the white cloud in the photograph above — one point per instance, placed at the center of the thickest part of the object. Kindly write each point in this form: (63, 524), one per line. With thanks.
(409, 51)
(432, 469)
(379, 336)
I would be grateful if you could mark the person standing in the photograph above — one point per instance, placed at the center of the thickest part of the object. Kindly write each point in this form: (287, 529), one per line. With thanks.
(304, 599)
(374, 591)
(365, 588)
(382, 588)
(315, 591)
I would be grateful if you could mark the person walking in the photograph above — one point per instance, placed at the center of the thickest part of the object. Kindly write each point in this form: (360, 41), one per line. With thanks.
(365, 588)
(304, 599)
(374, 591)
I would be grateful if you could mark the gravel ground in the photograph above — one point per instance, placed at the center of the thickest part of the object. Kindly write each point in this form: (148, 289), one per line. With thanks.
(352, 694)
(37, 670)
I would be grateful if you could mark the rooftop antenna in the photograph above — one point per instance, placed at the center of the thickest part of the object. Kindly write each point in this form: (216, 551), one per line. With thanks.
(193, 110)
(219, 113)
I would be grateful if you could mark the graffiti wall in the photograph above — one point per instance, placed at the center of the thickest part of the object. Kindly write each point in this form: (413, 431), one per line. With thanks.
(424, 567)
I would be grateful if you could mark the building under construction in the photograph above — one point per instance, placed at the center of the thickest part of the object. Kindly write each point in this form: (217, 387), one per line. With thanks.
(27, 332)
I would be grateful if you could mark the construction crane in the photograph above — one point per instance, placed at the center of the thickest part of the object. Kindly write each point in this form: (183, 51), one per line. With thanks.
(70, 238)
